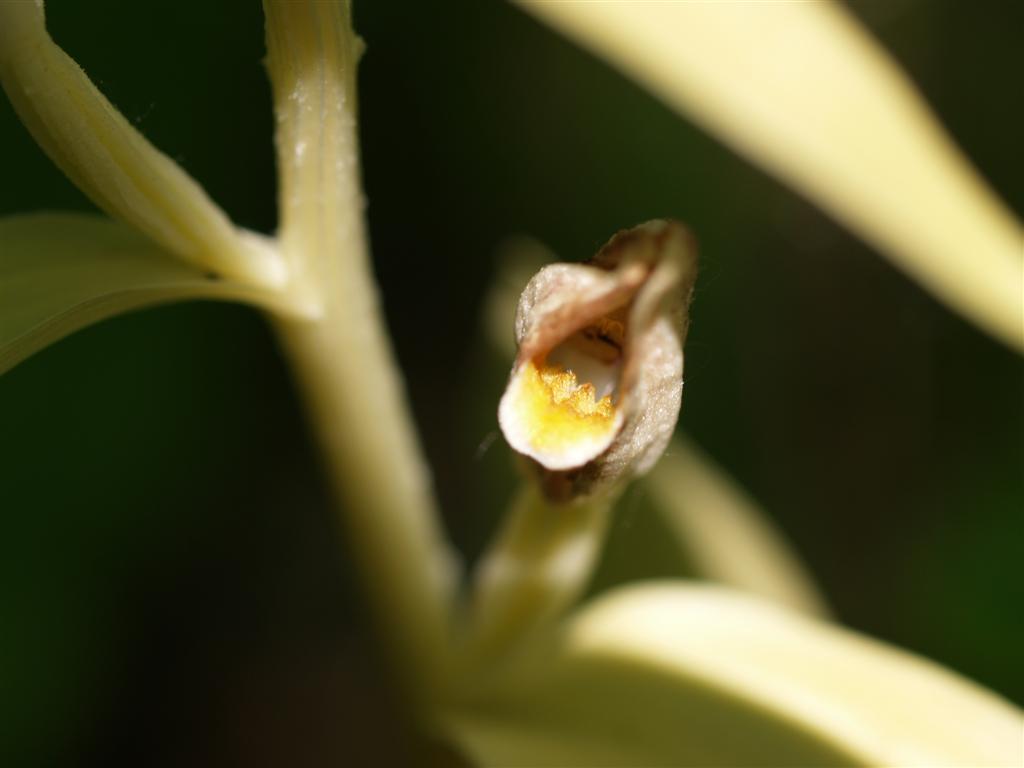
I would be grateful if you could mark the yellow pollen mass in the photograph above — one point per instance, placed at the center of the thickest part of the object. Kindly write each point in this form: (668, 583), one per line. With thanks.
(558, 412)
(565, 390)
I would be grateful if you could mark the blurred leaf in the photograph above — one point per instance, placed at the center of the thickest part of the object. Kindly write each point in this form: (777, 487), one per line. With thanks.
(724, 534)
(517, 260)
(802, 90)
(62, 272)
(667, 674)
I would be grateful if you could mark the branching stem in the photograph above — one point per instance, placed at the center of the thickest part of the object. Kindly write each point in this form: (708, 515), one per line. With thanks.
(342, 358)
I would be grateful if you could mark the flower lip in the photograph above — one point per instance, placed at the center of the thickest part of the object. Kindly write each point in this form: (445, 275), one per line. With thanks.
(562, 406)
(548, 415)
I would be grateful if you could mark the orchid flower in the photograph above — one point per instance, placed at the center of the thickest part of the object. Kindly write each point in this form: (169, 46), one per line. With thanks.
(517, 669)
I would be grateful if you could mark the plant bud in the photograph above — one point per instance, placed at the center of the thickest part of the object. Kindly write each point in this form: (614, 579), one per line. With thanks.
(597, 383)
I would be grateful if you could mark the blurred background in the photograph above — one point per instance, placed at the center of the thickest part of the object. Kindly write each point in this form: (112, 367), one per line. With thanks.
(173, 586)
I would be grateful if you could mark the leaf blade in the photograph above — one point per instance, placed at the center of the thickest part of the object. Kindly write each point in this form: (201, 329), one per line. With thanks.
(62, 272)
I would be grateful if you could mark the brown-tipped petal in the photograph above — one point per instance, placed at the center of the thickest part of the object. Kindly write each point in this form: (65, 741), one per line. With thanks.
(596, 387)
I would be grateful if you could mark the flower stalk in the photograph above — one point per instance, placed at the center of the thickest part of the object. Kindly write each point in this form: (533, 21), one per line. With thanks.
(537, 567)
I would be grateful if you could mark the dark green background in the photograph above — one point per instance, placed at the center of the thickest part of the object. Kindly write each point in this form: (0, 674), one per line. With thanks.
(172, 587)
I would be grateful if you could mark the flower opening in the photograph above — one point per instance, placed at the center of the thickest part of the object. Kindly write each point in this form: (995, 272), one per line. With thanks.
(596, 386)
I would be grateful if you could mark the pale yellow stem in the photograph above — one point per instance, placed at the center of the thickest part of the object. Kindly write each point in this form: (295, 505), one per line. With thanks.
(343, 358)
(536, 568)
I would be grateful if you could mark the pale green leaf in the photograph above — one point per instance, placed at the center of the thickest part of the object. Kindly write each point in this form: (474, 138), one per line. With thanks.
(801, 89)
(669, 675)
(725, 536)
(62, 272)
(111, 162)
